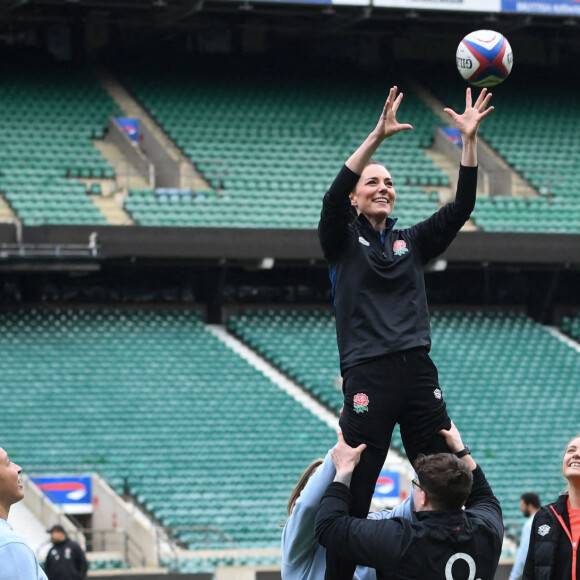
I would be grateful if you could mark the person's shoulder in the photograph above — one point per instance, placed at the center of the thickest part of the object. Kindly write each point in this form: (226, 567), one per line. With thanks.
(9, 537)
(15, 544)
(560, 505)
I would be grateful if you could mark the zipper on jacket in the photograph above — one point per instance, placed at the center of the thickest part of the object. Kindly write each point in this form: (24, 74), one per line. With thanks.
(574, 544)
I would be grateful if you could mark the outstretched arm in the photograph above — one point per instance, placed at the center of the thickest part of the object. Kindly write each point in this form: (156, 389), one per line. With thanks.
(468, 123)
(481, 498)
(387, 126)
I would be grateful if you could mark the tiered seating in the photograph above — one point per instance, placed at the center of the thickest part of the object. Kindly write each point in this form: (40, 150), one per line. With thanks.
(535, 128)
(272, 145)
(571, 325)
(497, 374)
(107, 564)
(48, 119)
(534, 214)
(301, 344)
(154, 402)
(209, 565)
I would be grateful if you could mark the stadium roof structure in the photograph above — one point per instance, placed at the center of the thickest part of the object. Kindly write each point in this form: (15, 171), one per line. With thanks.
(299, 17)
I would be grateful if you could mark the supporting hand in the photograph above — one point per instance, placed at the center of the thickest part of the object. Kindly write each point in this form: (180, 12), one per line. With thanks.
(344, 457)
(452, 438)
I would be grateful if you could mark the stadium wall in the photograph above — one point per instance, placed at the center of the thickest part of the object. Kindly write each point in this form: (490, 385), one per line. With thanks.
(280, 244)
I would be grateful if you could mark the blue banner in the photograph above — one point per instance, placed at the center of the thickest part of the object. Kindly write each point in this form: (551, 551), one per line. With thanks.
(73, 494)
(130, 127)
(555, 7)
(453, 135)
(387, 485)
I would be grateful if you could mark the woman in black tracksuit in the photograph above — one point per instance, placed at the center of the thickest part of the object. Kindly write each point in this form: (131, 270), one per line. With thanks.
(555, 534)
(382, 319)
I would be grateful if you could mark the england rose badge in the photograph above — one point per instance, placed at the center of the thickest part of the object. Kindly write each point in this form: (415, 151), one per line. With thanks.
(361, 403)
(400, 248)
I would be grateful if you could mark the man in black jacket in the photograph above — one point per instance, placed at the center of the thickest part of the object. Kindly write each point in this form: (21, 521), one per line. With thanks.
(66, 559)
(442, 542)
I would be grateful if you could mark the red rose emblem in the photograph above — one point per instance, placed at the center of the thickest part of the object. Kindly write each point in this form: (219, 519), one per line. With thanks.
(361, 400)
(400, 248)
(361, 403)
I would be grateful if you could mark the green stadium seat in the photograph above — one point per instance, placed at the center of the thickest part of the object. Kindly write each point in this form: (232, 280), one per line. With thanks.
(155, 404)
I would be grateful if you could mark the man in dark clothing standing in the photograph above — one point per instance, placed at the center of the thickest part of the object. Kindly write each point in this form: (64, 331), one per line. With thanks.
(66, 559)
(441, 542)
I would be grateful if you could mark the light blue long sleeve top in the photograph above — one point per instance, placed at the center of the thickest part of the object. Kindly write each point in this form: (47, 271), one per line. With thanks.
(518, 567)
(303, 558)
(17, 560)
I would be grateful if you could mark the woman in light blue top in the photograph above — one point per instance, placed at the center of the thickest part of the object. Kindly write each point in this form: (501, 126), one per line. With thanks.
(303, 558)
(17, 560)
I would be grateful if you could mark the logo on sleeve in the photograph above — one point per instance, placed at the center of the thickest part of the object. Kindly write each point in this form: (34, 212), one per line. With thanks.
(363, 241)
(400, 248)
(437, 394)
(361, 403)
(543, 530)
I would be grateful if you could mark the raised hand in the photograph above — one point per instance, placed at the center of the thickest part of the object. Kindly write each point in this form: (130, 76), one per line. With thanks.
(388, 124)
(468, 122)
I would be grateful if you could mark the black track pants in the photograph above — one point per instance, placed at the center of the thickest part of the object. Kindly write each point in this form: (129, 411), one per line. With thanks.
(399, 388)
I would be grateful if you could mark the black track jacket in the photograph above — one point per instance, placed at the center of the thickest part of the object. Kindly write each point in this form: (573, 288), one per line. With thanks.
(435, 545)
(379, 289)
(66, 561)
(551, 552)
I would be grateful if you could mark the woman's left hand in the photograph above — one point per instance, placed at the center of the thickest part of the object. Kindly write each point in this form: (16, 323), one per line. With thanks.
(469, 121)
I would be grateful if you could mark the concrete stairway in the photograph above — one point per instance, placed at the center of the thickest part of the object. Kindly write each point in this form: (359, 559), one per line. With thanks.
(6, 213)
(517, 185)
(131, 108)
(112, 209)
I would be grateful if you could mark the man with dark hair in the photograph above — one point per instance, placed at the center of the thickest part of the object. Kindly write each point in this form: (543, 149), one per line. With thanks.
(529, 505)
(66, 559)
(442, 541)
(445, 478)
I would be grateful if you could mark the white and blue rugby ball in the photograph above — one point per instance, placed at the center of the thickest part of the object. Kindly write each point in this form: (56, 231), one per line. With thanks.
(484, 58)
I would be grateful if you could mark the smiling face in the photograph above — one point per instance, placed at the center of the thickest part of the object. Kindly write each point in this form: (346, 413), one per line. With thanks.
(374, 195)
(571, 462)
(10, 484)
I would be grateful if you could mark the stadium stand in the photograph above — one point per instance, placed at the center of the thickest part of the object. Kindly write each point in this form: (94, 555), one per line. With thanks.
(270, 147)
(283, 150)
(144, 393)
(49, 114)
(537, 135)
(107, 564)
(139, 396)
(497, 373)
(571, 325)
(162, 409)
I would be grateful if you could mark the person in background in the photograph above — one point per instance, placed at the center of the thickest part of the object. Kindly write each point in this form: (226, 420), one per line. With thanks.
(66, 559)
(529, 504)
(17, 559)
(303, 558)
(553, 550)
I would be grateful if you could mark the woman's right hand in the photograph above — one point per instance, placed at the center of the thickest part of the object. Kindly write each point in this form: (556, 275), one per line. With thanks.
(388, 124)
